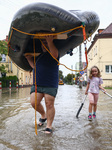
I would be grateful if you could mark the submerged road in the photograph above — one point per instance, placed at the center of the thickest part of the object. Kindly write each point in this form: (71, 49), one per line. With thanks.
(17, 130)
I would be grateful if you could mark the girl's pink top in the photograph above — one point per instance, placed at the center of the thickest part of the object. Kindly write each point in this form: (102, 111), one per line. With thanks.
(94, 84)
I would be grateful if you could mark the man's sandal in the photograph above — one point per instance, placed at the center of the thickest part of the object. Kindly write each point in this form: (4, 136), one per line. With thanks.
(48, 130)
(41, 122)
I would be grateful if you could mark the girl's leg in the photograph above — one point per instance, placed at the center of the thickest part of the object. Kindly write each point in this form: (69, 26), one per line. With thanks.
(95, 104)
(91, 102)
(90, 112)
(90, 108)
(95, 108)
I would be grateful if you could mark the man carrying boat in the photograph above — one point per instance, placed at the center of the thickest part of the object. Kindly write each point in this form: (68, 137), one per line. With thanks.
(46, 80)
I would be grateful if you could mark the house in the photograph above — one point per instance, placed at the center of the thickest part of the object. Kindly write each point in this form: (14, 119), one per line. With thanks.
(100, 54)
(24, 77)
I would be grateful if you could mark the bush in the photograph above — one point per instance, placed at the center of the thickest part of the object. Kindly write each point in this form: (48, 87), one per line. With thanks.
(6, 80)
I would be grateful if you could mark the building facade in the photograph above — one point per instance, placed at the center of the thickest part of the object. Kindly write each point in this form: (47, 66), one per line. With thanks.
(24, 77)
(100, 54)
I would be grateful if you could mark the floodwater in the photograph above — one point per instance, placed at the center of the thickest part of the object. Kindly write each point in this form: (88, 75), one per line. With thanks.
(17, 130)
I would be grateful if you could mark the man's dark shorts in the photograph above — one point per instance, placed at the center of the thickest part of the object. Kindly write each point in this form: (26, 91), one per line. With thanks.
(46, 90)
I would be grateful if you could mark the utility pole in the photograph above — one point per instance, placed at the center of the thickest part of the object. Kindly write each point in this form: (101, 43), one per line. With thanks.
(80, 65)
(72, 73)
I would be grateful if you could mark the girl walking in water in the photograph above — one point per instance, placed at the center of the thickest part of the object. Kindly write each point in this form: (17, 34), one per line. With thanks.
(93, 85)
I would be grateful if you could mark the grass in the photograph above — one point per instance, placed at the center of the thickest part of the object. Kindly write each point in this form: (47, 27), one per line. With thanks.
(108, 87)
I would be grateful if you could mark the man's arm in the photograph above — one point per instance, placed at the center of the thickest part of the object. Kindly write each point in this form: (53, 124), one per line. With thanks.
(52, 48)
(30, 60)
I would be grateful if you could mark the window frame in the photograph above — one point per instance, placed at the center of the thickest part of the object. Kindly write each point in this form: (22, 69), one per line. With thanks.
(109, 69)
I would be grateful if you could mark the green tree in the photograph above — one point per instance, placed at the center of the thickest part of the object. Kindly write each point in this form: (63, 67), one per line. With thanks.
(77, 78)
(77, 75)
(3, 47)
(61, 75)
(65, 79)
(3, 50)
(3, 68)
(69, 78)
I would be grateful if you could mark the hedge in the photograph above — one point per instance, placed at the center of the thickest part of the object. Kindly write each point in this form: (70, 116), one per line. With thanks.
(5, 81)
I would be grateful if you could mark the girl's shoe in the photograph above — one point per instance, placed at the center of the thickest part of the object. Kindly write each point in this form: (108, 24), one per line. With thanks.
(90, 117)
(94, 116)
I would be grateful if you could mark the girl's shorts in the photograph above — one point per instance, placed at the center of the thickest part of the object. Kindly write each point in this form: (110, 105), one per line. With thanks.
(46, 90)
(93, 98)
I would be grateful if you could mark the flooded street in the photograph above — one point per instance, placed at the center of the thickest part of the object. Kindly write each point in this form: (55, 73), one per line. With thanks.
(17, 129)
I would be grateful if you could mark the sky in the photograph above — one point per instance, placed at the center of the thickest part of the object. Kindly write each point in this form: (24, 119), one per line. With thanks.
(103, 8)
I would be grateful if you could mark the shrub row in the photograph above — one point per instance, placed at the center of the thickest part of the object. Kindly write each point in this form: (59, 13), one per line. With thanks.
(5, 81)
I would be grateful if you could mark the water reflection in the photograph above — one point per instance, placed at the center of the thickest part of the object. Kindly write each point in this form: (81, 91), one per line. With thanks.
(17, 130)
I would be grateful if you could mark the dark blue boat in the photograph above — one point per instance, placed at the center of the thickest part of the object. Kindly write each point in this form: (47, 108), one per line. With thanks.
(46, 18)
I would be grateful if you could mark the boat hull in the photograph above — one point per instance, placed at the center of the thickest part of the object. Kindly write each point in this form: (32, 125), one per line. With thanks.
(41, 17)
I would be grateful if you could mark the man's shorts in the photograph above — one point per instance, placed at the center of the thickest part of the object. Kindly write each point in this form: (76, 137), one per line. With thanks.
(46, 90)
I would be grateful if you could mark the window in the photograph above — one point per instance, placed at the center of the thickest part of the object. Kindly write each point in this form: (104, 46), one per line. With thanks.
(108, 68)
(21, 76)
(3, 58)
(91, 56)
(26, 79)
(96, 50)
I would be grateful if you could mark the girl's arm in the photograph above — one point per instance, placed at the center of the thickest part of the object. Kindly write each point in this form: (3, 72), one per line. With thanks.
(100, 87)
(86, 92)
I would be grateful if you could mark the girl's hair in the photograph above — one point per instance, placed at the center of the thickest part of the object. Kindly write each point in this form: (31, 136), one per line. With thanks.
(90, 74)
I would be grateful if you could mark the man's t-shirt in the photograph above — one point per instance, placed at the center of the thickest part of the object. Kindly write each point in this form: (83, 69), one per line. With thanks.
(46, 71)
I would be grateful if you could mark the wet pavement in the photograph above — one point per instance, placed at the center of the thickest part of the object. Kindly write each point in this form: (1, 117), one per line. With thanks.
(17, 130)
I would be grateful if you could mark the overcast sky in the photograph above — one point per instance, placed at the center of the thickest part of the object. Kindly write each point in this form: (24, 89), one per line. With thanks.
(103, 8)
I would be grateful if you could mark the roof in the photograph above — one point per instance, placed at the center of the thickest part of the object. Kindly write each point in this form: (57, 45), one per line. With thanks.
(108, 30)
(106, 33)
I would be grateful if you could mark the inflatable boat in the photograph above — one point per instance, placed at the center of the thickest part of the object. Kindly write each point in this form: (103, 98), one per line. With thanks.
(46, 18)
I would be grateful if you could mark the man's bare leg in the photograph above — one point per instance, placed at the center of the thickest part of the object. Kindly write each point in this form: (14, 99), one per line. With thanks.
(39, 106)
(49, 101)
